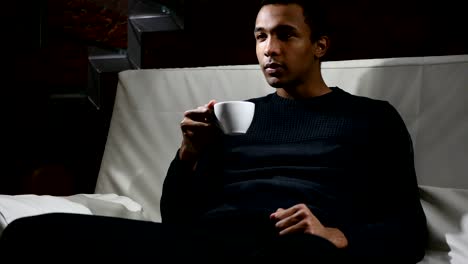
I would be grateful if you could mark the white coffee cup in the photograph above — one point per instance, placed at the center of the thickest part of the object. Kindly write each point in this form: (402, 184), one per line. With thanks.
(234, 117)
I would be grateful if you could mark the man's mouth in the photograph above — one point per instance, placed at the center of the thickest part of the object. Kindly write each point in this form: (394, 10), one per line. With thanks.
(273, 68)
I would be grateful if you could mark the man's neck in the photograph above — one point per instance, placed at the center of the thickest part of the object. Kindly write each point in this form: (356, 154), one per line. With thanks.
(303, 91)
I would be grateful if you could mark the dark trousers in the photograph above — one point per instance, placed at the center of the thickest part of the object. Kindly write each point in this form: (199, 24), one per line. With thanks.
(74, 238)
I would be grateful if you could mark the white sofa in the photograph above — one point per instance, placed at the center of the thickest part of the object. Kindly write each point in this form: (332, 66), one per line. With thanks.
(431, 94)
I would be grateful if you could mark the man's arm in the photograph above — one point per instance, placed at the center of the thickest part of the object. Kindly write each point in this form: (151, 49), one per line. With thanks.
(176, 190)
(179, 200)
(188, 193)
(393, 224)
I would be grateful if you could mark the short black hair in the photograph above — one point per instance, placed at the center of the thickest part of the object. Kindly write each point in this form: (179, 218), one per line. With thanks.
(316, 15)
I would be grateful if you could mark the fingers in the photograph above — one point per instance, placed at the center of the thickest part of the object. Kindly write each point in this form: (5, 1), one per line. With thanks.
(283, 213)
(197, 119)
(188, 126)
(201, 113)
(197, 130)
(297, 218)
(284, 220)
(298, 227)
(292, 223)
(276, 214)
(210, 104)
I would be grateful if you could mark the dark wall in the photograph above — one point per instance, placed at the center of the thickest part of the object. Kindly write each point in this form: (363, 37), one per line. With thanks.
(220, 32)
(54, 135)
(378, 29)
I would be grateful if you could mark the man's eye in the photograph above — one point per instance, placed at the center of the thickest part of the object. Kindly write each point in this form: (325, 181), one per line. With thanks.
(285, 36)
(260, 36)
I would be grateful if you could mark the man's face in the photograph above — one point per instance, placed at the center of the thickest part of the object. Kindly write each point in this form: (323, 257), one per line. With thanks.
(284, 48)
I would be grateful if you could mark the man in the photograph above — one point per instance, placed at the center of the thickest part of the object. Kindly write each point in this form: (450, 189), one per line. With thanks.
(317, 171)
(313, 178)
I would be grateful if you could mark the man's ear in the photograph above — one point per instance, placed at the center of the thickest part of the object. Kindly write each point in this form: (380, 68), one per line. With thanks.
(321, 46)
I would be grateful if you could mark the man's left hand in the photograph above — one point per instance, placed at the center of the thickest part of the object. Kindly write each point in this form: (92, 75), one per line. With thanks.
(299, 218)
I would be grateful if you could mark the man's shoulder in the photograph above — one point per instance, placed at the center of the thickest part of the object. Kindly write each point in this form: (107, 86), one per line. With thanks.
(367, 105)
(363, 101)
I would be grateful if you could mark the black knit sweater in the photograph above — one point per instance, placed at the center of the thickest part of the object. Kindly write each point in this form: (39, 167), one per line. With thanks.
(348, 158)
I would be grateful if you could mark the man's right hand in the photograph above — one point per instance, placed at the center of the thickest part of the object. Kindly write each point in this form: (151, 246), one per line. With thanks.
(198, 129)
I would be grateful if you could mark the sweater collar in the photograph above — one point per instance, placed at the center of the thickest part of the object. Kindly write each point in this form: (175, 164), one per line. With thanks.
(335, 91)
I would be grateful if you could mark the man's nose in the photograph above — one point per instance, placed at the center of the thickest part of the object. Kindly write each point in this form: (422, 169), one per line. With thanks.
(272, 47)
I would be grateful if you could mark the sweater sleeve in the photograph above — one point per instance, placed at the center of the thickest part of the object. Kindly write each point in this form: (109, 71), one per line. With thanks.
(176, 190)
(188, 193)
(392, 224)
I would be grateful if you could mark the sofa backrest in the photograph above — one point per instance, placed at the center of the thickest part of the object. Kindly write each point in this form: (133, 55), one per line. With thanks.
(431, 94)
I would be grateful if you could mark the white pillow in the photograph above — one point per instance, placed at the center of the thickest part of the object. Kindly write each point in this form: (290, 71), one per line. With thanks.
(444, 209)
(459, 243)
(15, 206)
(110, 205)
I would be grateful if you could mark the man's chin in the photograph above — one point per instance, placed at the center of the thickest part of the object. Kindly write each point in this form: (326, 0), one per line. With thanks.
(274, 82)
